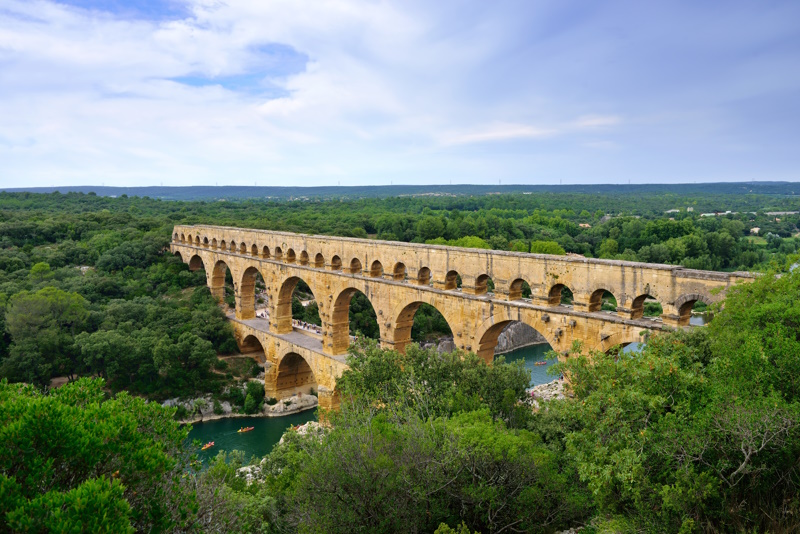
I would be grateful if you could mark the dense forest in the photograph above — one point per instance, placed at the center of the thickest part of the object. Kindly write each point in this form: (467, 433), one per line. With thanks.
(700, 432)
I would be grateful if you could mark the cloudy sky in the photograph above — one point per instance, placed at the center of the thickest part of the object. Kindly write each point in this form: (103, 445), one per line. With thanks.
(320, 92)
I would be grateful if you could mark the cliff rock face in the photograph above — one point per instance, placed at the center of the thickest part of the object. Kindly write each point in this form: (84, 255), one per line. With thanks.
(517, 335)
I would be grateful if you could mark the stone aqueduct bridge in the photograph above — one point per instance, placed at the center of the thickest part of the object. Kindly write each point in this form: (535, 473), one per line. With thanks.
(398, 277)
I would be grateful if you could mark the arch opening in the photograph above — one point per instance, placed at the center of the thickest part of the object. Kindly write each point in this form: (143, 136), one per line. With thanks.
(222, 287)
(297, 307)
(355, 266)
(278, 253)
(183, 238)
(175, 237)
(252, 295)
(560, 295)
(646, 306)
(452, 280)
(294, 376)
(254, 250)
(205, 242)
(352, 315)
(197, 240)
(693, 310)
(399, 272)
(178, 255)
(602, 300)
(336, 263)
(424, 277)
(304, 258)
(252, 347)
(519, 289)
(484, 285)
(232, 247)
(265, 252)
(420, 322)
(376, 270)
(214, 243)
(222, 245)
(500, 339)
(242, 248)
(196, 263)
(319, 261)
(290, 256)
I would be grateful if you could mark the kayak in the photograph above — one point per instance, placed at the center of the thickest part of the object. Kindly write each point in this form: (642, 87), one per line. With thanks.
(540, 363)
(246, 429)
(207, 446)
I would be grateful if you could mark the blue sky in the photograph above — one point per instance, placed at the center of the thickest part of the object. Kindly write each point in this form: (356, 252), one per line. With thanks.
(301, 92)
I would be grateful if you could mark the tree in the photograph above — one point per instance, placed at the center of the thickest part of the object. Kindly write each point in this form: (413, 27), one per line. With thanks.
(547, 247)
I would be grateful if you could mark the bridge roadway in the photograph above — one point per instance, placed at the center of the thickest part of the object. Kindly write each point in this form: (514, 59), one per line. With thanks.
(337, 268)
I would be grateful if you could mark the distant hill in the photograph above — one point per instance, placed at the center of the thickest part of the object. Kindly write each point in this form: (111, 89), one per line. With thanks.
(298, 193)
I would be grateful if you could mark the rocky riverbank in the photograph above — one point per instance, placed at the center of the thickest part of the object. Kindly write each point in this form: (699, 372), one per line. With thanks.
(202, 408)
(253, 472)
(516, 336)
(557, 389)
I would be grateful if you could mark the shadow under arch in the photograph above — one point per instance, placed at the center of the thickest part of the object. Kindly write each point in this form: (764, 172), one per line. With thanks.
(404, 323)
(364, 318)
(283, 304)
(685, 303)
(294, 375)
(251, 346)
(178, 254)
(196, 263)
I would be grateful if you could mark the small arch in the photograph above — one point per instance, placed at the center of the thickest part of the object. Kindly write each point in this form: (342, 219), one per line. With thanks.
(265, 252)
(233, 246)
(408, 329)
(646, 306)
(183, 238)
(560, 295)
(190, 239)
(252, 347)
(602, 300)
(336, 263)
(196, 263)
(214, 243)
(222, 245)
(254, 250)
(452, 280)
(290, 256)
(355, 266)
(197, 240)
(685, 303)
(278, 253)
(304, 258)
(376, 270)
(519, 289)
(205, 242)
(399, 271)
(319, 261)
(175, 237)
(484, 284)
(242, 248)
(294, 376)
(424, 277)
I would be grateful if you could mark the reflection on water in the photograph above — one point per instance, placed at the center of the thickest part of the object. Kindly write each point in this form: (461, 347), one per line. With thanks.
(531, 355)
(258, 442)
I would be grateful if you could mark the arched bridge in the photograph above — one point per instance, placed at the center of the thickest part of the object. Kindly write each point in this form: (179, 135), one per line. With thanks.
(398, 277)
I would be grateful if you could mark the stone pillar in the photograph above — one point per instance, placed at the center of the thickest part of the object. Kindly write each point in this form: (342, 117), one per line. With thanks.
(245, 306)
(328, 400)
(218, 293)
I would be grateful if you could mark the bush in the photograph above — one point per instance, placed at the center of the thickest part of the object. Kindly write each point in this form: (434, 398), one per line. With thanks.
(272, 401)
(250, 404)
(217, 407)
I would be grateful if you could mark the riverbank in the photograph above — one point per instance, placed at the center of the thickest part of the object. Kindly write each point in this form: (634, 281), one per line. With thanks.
(202, 408)
(521, 346)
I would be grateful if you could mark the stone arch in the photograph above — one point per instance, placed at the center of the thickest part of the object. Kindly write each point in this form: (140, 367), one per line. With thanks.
(319, 261)
(265, 252)
(291, 257)
(355, 266)
(222, 245)
(340, 320)
(336, 263)
(517, 288)
(178, 254)
(304, 258)
(599, 297)
(376, 270)
(251, 346)
(637, 306)
(616, 339)
(197, 240)
(190, 239)
(176, 237)
(205, 242)
(484, 284)
(214, 243)
(218, 280)
(232, 247)
(491, 330)
(247, 293)
(424, 277)
(556, 294)
(404, 322)
(196, 263)
(399, 271)
(685, 303)
(254, 250)
(242, 248)
(293, 375)
(183, 238)
(278, 253)
(282, 322)
(451, 280)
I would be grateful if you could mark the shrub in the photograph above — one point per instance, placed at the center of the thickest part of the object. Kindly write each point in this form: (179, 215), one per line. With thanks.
(217, 407)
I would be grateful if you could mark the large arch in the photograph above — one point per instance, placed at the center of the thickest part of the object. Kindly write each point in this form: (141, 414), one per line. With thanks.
(218, 276)
(685, 303)
(494, 326)
(404, 323)
(340, 320)
(178, 254)
(196, 263)
(294, 375)
(247, 292)
(282, 321)
(251, 346)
